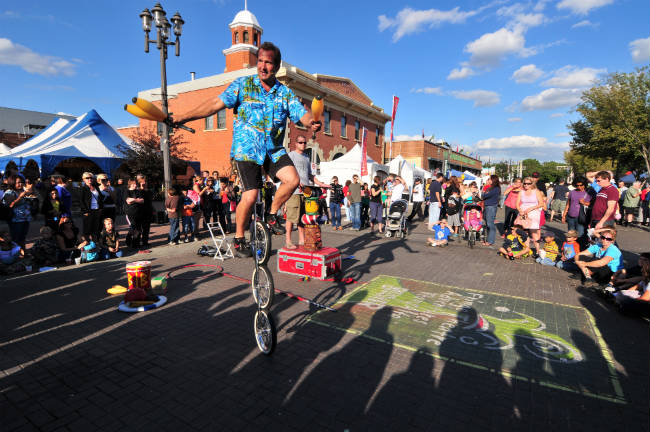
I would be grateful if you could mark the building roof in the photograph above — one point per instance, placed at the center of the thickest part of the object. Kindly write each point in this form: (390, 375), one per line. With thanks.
(26, 122)
(245, 18)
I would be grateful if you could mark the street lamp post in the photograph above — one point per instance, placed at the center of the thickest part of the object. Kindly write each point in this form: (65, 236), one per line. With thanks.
(163, 33)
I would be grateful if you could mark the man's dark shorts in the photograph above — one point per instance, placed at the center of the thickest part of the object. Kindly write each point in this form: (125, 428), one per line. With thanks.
(251, 173)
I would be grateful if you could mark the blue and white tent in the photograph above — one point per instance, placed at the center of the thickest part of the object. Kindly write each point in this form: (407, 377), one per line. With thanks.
(87, 136)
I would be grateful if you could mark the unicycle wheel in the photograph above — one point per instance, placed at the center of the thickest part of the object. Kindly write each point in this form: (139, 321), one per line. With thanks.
(262, 287)
(265, 332)
(261, 242)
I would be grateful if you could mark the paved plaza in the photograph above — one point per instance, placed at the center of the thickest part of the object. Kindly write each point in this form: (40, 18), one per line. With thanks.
(428, 339)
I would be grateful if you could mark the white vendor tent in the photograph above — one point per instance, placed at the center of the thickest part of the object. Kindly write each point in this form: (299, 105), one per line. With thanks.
(407, 171)
(348, 165)
(4, 148)
(87, 136)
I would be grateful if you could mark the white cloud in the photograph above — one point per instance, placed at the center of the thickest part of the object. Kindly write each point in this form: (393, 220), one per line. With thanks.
(515, 119)
(517, 142)
(408, 21)
(480, 97)
(32, 62)
(563, 134)
(584, 23)
(556, 115)
(573, 77)
(527, 74)
(461, 73)
(489, 49)
(541, 4)
(582, 7)
(640, 50)
(428, 90)
(541, 153)
(551, 98)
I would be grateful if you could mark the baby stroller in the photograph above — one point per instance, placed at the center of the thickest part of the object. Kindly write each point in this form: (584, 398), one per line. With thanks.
(473, 223)
(396, 219)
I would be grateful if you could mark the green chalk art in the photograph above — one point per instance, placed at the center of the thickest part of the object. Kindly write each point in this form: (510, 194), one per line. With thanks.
(550, 344)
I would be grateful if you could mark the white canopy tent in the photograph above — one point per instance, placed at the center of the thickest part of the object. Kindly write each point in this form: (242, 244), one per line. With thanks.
(4, 148)
(348, 165)
(407, 171)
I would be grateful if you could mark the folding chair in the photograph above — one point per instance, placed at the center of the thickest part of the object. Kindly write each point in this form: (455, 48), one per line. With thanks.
(219, 239)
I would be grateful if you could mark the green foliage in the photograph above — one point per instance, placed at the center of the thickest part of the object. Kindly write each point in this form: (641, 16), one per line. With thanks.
(581, 164)
(145, 156)
(615, 122)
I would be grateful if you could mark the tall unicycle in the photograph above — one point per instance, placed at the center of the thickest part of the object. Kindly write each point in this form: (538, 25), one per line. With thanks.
(265, 332)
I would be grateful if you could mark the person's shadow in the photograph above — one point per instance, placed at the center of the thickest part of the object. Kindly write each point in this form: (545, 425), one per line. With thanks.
(358, 366)
(473, 362)
(412, 391)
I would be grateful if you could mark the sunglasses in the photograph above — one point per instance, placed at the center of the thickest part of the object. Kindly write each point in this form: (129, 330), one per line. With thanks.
(579, 185)
(301, 142)
(607, 238)
(527, 184)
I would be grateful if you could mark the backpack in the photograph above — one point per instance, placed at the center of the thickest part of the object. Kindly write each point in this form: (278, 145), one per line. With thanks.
(453, 206)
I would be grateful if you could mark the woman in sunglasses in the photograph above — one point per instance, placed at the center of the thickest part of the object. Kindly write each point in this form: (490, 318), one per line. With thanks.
(577, 198)
(530, 203)
(600, 261)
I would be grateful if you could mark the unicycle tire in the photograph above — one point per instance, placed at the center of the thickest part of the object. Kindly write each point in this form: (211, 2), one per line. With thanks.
(262, 287)
(264, 332)
(261, 242)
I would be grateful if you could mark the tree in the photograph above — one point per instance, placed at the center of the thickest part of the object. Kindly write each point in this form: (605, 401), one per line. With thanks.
(580, 164)
(616, 121)
(146, 157)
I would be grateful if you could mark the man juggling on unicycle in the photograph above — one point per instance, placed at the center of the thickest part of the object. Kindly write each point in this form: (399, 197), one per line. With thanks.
(262, 105)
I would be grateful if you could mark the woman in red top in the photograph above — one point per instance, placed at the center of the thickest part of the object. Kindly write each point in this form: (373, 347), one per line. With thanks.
(346, 203)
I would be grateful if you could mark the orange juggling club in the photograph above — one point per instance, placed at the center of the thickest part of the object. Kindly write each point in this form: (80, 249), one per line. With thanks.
(149, 108)
(317, 107)
(139, 112)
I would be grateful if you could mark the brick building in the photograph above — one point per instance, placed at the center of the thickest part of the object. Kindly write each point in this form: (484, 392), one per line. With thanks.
(435, 156)
(347, 108)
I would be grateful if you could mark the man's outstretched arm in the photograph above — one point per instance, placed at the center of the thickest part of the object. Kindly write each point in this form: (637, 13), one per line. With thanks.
(207, 108)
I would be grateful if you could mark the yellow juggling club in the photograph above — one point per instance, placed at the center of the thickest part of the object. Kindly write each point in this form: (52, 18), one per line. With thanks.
(139, 112)
(149, 108)
(317, 107)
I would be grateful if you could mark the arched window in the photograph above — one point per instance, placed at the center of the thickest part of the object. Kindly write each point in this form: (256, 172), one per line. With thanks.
(236, 37)
(245, 37)
(255, 39)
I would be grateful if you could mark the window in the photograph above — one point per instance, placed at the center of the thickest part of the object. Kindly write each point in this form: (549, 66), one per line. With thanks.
(255, 39)
(236, 37)
(209, 123)
(376, 136)
(326, 120)
(245, 37)
(221, 119)
(357, 125)
(343, 124)
(159, 128)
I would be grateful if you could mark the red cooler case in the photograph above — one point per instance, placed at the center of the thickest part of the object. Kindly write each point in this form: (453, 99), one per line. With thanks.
(320, 264)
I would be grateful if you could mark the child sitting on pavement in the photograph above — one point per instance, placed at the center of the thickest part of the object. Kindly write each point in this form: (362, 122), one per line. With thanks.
(550, 251)
(515, 244)
(109, 241)
(636, 299)
(88, 249)
(45, 251)
(12, 256)
(570, 248)
(441, 233)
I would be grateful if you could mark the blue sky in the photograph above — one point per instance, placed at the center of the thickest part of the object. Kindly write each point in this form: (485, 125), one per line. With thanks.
(498, 78)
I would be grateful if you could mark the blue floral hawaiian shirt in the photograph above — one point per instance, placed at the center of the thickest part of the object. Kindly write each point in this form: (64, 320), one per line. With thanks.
(261, 118)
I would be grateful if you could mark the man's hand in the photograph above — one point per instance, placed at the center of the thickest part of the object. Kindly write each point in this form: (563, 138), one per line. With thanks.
(599, 225)
(316, 125)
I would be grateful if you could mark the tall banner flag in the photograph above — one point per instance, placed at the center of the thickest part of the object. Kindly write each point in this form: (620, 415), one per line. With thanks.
(364, 157)
(392, 123)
